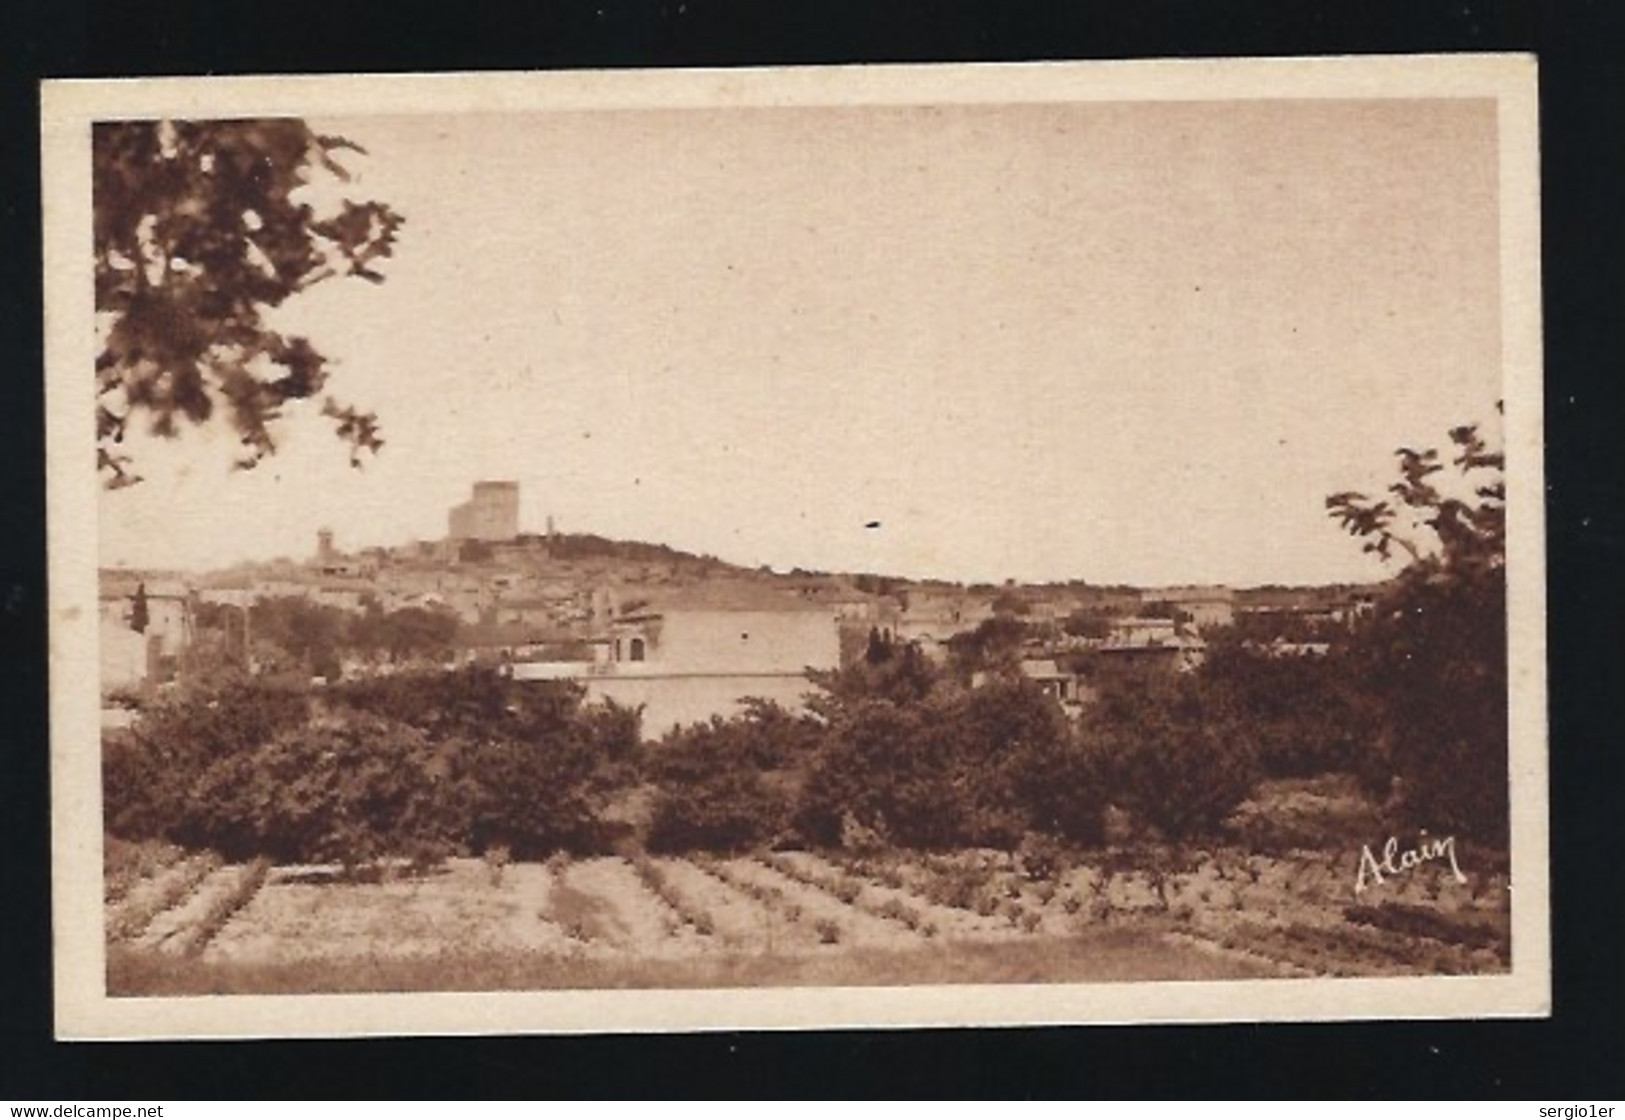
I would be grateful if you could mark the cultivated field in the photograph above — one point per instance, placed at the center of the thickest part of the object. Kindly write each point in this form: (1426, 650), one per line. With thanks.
(181, 922)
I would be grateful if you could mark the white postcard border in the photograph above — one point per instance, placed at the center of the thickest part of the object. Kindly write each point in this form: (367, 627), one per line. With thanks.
(83, 1010)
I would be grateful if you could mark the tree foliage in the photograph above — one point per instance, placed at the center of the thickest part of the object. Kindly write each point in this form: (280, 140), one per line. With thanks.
(1086, 622)
(149, 775)
(994, 646)
(883, 767)
(140, 614)
(201, 228)
(726, 785)
(405, 767)
(1028, 771)
(1161, 608)
(979, 766)
(293, 631)
(1442, 529)
(1304, 714)
(1434, 653)
(400, 635)
(340, 790)
(1173, 752)
(889, 670)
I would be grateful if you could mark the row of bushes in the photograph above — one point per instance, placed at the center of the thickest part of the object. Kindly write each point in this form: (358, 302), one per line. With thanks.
(416, 768)
(951, 767)
(428, 766)
(899, 752)
(893, 752)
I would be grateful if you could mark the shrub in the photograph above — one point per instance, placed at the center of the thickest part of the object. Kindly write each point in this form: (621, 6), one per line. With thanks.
(1041, 858)
(226, 905)
(897, 673)
(1416, 921)
(888, 876)
(1434, 655)
(842, 886)
(417, 766)
(709, 795)
(125, 863)
(348, 791)
(892, 910)
(244, 773)
(855, 836)
(896, 910)
(1174, 755)
(133, 918)
(497, 858)
(655, 879)
(881, 769)
(949, 768)
(774, 738)
(535, 796)
(534, 765)
(1303, 714)
(1026, 769)
(150, 773)
(959, 889)
(470, 702)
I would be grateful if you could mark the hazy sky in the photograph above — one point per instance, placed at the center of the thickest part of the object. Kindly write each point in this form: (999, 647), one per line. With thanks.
(1119, 342)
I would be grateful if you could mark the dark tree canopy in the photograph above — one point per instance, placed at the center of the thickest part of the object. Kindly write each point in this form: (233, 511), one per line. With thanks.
(200, 229)
(139, 616)
(1436, 651)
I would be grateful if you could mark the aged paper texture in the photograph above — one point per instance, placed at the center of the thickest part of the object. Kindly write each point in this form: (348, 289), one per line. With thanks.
(858, 546)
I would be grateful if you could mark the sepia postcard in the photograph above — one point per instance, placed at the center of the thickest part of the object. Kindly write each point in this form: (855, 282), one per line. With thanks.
(823, 547)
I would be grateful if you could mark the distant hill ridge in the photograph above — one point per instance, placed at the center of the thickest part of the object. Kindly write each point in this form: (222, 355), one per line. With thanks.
(568, 549)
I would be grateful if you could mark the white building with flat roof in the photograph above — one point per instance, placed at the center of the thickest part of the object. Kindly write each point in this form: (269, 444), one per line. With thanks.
(691, 655)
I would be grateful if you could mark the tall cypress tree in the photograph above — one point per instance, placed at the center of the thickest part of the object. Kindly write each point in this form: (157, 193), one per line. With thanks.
(139, 616)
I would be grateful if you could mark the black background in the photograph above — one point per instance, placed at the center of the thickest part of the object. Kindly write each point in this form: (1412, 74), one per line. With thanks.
(1576, 1055)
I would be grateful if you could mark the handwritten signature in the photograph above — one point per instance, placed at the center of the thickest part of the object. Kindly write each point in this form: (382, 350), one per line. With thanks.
(1396, 861)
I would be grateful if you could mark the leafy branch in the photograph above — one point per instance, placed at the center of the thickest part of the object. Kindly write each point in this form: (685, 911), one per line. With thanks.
(1430, 524)
(201, 228)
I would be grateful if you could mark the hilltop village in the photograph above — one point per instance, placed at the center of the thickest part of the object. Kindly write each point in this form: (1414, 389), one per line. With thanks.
(685, 637)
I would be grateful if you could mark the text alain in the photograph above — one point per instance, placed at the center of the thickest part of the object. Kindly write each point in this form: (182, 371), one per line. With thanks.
(1396, 860)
